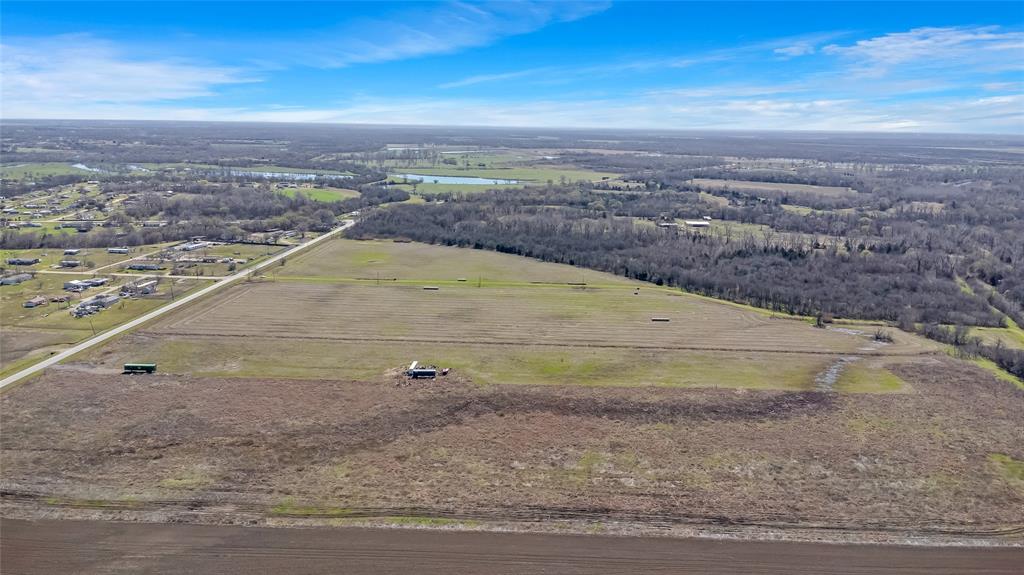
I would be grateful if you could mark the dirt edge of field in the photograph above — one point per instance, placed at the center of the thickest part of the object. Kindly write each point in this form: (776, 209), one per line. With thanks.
(35, 508)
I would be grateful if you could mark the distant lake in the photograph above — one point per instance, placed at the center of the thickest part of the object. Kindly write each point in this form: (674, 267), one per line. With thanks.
(455, 180)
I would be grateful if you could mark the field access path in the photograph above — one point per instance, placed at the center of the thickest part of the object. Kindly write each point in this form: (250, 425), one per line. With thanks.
(47, 546)
(229, 280)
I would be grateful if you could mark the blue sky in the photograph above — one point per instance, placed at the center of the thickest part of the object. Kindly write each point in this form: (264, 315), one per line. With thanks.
(873, 66)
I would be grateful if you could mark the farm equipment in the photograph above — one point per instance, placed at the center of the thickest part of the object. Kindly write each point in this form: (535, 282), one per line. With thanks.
(417, 371)
(134, 368)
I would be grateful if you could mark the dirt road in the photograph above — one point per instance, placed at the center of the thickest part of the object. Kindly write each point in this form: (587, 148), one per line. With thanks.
(48, 547)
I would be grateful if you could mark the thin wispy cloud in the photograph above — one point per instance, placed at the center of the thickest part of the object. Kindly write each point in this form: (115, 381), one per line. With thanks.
(437, 29)
(789, 46)
(643, 112)
(78, 69)
(985, 48)
(795, 50)
(485, 78)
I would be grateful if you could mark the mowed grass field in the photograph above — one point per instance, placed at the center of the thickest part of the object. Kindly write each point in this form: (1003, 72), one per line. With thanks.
(344, 260)
(513, 321)
(745, 185)
(532, 174)
(321, 194)
(28, 171)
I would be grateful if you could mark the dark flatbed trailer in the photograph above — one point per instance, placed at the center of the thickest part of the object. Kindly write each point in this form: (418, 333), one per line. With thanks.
(133, 368)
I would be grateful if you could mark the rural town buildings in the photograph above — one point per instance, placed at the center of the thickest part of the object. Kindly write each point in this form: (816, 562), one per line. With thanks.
(142, 287)
(82, 285)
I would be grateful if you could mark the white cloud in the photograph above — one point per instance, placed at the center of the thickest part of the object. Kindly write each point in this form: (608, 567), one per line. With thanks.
(1003, 86)
(985, 48)
(802, 49)
(77, 70)
(997, 114)
(790, 46)
(439, 29)
(484, 78)
(730, 90)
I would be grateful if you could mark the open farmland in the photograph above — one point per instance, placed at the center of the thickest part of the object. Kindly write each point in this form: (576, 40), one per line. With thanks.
(29, 171)
(744, 185)
(524, 323)
(325, 194)
(343, 260)
(281, 397)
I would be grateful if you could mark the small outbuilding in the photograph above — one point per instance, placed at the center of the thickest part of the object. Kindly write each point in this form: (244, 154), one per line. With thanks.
(22, 261)
(36, 302)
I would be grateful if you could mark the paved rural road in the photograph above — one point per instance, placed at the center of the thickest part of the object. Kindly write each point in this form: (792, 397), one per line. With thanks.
(50, 547)
(165, 309)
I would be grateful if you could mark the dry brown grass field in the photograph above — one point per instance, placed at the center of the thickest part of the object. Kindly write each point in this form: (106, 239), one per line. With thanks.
(937, 461)
(281, 402)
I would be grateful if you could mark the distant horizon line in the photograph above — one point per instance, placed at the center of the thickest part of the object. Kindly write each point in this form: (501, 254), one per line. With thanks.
(524, 127)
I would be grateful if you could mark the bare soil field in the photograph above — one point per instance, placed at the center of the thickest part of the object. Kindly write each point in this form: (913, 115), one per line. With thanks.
(939, 460)
(46, 547)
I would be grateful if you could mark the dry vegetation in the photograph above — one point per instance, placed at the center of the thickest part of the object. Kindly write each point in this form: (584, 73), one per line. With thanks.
(942, 458)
